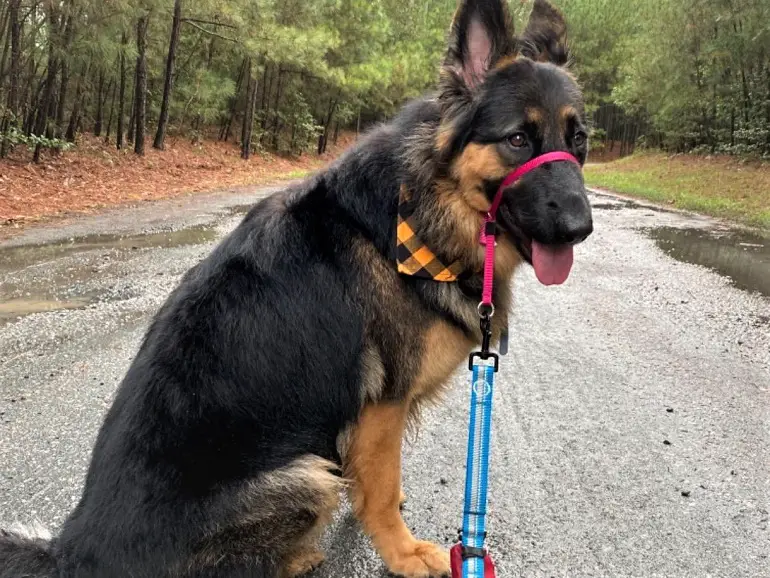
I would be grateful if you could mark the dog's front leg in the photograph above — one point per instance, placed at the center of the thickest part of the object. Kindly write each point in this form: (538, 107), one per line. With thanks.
(374, 467)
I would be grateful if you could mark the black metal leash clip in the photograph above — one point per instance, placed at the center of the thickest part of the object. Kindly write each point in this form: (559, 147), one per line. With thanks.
(486, 338)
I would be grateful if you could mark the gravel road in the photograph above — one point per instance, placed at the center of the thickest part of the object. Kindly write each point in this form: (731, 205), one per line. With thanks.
(632, 417)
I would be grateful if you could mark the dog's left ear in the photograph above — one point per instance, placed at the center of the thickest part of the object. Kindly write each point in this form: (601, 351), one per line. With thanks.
(545, 38)
(481, 34)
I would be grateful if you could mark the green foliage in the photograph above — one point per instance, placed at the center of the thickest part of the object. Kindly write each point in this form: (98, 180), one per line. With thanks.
(688, 74)
(697, 71)
(15, 137)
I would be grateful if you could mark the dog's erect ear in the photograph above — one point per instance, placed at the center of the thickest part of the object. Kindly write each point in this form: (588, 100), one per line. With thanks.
(545, 38)
(481, 34)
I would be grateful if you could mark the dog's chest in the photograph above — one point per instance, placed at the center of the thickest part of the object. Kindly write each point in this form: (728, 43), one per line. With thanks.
(444, 348)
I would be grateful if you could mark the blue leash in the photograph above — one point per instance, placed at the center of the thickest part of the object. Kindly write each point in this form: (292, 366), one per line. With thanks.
(477, 469)
(475, 559)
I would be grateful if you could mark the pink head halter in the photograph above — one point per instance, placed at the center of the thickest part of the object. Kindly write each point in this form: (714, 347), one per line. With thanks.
(488, 231)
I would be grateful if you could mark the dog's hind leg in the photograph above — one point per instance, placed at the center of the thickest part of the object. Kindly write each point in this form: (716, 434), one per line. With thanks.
(306, 555)
(272, 522)
(374, 468)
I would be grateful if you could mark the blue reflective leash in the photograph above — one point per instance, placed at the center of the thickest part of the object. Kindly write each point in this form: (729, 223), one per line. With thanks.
(474, 530)
(469, 557)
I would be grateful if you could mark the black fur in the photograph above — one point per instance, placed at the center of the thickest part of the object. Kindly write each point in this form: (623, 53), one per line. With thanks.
(25, 557)
(214, 460)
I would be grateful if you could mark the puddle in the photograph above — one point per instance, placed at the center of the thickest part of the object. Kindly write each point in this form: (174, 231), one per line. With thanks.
(611, 206)
(14, 258)
(12, 309)
(742, 257)
(611, 203)
(59, 286)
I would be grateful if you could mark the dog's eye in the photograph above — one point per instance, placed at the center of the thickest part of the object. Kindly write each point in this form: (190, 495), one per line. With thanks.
(580, 138)
(518, 140)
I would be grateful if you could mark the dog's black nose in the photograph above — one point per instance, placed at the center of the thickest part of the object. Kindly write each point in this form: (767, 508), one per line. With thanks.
(575, 222)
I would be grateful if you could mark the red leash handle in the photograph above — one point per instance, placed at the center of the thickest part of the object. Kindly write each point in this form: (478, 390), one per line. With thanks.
(456, 563)
(488, 232)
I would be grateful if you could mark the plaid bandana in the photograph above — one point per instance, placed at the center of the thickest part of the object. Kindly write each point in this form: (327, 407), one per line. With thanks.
(412, 255)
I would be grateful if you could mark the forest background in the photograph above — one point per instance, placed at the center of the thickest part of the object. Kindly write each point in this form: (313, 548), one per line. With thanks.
(684, 84)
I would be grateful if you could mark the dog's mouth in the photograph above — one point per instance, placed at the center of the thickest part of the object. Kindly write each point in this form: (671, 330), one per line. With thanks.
(552, 263)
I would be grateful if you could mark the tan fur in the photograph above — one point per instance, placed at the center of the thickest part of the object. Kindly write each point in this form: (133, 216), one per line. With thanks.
(373, 376)
(478, 162)
(506, 61)
(444, 348)
(507, 259)
(464, 200)
(313, 488)
(462, 219)
(444, 138)
(374, 466)
(381, 275)
(566, 113)
(535, 115)
(303, 563)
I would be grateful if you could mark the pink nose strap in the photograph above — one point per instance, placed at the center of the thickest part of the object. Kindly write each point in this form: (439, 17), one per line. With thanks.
(488, 231)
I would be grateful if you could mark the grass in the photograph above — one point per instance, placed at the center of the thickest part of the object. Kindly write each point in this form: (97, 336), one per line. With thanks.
(297, 174)
(718, 186)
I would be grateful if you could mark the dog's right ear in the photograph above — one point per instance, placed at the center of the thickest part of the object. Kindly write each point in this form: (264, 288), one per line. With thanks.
(481, 34)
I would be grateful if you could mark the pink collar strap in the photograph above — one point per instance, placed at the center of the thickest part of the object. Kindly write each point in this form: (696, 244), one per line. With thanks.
(486, 308)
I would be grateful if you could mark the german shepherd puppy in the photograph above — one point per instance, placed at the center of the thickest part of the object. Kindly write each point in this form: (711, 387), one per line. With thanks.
(286, 365)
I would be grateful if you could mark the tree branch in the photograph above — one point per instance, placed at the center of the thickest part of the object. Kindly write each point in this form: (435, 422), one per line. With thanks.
(212, 22)
(209, 32)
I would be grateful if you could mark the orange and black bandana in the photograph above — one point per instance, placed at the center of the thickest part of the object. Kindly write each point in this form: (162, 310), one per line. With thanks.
(412, 255)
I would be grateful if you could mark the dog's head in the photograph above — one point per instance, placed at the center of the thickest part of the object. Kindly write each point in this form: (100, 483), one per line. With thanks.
(505, 100)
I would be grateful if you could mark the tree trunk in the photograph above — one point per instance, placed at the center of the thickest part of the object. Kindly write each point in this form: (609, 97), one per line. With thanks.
(767, 107)
(132, 116)
(168, 85)
(267, 91)
(248, 115)
(99, 104)
(72, 127)
(13, 90)
(277, 121)
(324, 137)
(224, 134)
(122, 99)
(358, 122)
(112, 110)
(45, 103)
(141, 82)
(746, 96)
(65, 79)
(5, 25)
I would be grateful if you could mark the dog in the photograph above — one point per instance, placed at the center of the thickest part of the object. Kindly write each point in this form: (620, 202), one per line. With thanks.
(287, 365)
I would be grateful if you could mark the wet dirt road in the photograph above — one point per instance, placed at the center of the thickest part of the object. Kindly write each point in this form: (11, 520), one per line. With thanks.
(632, 418)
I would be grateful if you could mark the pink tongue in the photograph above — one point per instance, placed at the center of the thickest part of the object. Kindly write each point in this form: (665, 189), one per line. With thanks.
(552, 263)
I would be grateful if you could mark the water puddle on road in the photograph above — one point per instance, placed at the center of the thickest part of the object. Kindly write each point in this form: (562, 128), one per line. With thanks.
(63, 286)
(741, 256)
(15, 258)
(13, 309)
(606, 202)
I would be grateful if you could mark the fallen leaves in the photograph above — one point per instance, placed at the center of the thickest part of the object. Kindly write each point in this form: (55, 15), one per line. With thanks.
(94, 175)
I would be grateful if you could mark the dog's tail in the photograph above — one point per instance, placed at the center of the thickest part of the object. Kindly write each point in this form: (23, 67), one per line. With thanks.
(25, 552)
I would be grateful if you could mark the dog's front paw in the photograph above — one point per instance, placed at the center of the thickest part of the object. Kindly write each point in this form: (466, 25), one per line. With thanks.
(422, 560)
